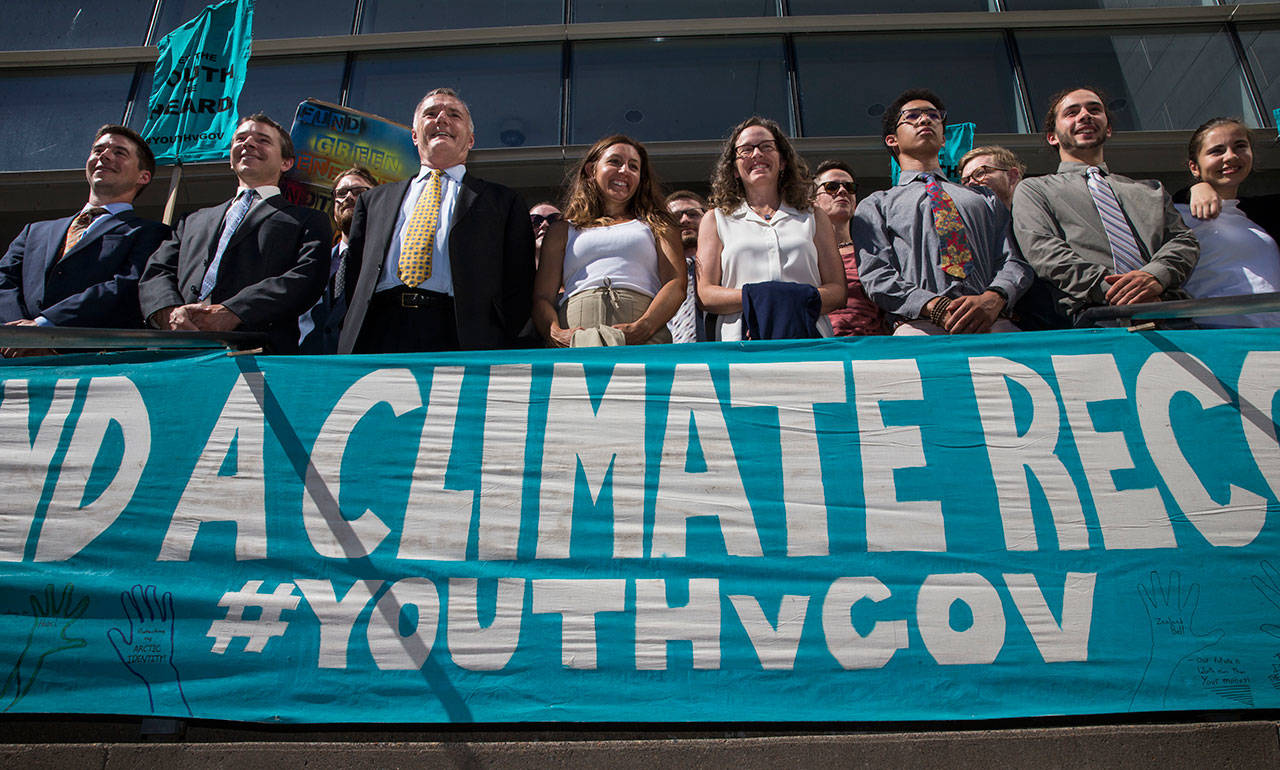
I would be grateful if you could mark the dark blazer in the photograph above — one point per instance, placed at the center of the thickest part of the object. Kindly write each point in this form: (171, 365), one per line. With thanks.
(93, 285)
(490, 255)
(322, 324)
(273, 270)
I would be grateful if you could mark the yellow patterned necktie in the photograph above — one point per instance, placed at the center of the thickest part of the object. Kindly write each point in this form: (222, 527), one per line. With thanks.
(79, 225)
(420, 233)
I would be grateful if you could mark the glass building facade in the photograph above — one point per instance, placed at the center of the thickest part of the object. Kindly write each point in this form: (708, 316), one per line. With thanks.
(544, 77)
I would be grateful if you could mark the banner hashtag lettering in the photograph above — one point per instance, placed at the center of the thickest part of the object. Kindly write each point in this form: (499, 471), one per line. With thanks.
(260, 630)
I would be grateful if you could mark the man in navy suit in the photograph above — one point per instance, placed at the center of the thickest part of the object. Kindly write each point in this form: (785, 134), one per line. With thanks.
(320, 326)
(255, 263)
(83, 270)
(442, 261)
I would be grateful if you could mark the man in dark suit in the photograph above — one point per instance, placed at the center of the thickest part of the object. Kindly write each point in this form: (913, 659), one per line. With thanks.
(83, 270)
(442, 261)
(320, 326)
(255, 263)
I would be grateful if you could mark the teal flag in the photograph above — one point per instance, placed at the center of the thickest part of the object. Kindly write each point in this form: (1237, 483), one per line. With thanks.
(959, 140)
(197, 83)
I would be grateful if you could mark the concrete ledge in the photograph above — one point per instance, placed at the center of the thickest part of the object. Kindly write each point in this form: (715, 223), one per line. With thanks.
(1197, 745)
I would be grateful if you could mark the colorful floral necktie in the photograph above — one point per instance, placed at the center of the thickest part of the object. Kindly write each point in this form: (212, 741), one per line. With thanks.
(954, 254)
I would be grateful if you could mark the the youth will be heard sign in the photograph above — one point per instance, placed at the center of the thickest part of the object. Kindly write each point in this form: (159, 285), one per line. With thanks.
(1002, 526)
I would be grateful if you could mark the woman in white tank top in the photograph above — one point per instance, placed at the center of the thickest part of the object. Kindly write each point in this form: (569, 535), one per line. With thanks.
(765, 228)
(612, 271)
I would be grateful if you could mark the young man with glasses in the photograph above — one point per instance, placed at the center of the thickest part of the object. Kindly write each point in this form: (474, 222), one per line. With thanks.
(938, 257)
(319, 327)
(994, 167)
(835, 191)
(687, 207)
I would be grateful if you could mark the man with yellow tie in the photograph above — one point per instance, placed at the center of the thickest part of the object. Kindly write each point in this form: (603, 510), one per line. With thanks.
(442, 261)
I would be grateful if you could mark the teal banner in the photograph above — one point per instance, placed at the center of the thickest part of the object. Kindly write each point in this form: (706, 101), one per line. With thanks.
(199, 74)
(985, 526)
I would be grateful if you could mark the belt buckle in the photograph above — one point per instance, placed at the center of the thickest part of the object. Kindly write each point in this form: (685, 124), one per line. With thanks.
(412, 299)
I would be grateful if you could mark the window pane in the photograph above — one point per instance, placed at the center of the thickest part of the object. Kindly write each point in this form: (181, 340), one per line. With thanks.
(1051, 5)
(74, 24)
(631, 10)
(61, 109)
(1154, 82)
(403, 15)
(812, 7)
(513, 92)
(1263, 49)
(271, 18)
(659, 90)
(273, 86)
(847, 81)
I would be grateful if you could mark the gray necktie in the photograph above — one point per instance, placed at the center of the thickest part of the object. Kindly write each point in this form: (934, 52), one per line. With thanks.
(235, 215)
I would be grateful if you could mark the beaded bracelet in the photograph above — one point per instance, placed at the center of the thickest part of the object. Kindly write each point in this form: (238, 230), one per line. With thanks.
(939, 312)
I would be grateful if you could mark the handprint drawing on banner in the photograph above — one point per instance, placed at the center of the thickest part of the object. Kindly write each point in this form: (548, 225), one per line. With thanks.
(50, 633)
(1170, 612)
(146, 648)
(1268, 583)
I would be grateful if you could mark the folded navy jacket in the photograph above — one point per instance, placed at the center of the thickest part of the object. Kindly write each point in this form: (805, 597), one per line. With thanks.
(779, 310)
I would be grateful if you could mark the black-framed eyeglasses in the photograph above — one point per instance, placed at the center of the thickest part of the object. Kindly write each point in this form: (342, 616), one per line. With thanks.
(692, 212)
(551, 219)
(747, 150)
(830, 188)
(355, 190)
(913, 115)
(980, 173)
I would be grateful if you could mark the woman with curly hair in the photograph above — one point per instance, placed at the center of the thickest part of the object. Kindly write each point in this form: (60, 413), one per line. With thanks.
(766, 241)
(616, 254)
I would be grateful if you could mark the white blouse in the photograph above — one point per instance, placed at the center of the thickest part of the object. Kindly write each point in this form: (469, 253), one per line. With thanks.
(755, 250)
(625, 254)
(1236, 257)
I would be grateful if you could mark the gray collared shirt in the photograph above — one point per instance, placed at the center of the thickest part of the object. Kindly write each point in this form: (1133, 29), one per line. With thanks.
(898, 248)
(1061, 234)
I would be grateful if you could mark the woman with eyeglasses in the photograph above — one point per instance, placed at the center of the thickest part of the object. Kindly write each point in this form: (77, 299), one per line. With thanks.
(616, 253)
(836, 193)
(766, 249)
(1238, 235)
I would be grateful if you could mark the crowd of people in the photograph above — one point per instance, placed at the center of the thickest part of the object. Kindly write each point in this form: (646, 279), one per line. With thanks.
(447, 261)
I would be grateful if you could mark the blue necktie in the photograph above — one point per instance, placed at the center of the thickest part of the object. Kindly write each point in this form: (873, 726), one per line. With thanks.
(239, 209)
(1125, 252)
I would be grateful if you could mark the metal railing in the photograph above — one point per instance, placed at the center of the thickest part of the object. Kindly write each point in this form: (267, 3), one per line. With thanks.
(1119, 315)
(67, 338)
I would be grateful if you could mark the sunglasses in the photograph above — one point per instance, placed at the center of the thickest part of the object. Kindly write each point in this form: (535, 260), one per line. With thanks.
(551, 219)
(343, 192)
(831, 187)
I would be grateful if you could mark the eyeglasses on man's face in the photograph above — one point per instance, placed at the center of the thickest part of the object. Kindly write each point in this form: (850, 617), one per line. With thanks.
(913, 115)
(551, 219)
(351, 190)
(980, 174)
(835, 185)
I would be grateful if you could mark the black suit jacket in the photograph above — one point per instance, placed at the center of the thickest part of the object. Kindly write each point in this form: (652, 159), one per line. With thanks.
(490, 255)
(321, 325)
(273, 270)
(93, 285)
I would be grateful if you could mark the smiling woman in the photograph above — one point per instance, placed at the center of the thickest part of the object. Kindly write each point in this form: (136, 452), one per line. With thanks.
(612, 271)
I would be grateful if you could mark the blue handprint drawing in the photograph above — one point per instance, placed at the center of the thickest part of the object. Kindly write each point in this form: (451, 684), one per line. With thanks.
(146, 648)
(51, 622)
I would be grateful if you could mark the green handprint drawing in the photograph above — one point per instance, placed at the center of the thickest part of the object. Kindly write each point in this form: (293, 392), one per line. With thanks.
(50, 633)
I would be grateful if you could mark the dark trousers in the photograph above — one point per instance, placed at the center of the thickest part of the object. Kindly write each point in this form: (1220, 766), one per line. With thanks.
(404, 320)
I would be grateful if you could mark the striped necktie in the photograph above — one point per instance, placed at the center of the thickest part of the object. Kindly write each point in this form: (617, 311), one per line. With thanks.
(684, 325)
(235, 215)
(1125, 252)
(79, 225)
(953, 250)
(420, 233)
